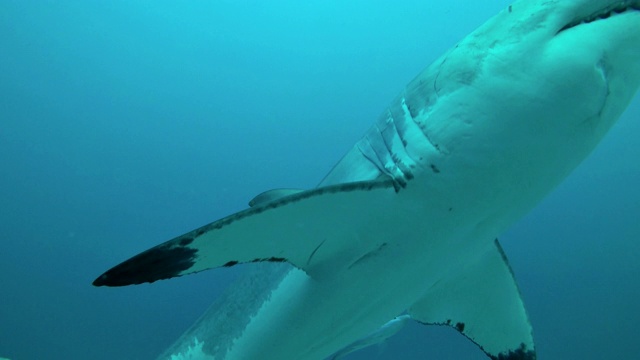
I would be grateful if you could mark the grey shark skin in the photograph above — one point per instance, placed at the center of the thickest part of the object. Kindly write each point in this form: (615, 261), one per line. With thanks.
(406, 222)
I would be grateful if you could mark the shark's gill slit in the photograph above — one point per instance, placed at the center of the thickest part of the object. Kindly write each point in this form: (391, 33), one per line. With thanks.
(397, 147)
(409, 116)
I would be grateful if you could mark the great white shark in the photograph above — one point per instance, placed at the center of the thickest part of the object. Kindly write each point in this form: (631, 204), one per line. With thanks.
(405, 226)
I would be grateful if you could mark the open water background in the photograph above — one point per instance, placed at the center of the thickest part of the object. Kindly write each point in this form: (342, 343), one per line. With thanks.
(123, 124)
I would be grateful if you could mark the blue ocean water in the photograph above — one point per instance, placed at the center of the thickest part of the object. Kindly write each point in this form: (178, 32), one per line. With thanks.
(123, 124)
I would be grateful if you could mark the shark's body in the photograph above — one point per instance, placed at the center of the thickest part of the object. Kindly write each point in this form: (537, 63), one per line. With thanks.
(406, 222)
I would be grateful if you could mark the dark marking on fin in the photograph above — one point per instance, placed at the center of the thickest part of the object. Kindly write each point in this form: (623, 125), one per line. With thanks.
(521, 353)
(230, 263)
(160, 262)
(435, 169)
(460, 326)
(186, 241)
(504, 257)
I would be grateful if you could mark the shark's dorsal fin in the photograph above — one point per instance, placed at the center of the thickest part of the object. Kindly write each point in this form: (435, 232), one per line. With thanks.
(483, 303)
(271, 195)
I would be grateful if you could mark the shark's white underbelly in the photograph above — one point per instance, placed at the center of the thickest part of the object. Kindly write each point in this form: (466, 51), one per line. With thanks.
(308, 318)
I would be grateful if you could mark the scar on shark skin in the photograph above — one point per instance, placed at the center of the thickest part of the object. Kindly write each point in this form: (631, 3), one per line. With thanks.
(314, 251)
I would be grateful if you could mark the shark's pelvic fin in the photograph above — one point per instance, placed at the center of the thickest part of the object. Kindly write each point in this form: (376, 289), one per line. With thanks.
(307, 229)
(483, 303)
(386, 331)
(271, 195)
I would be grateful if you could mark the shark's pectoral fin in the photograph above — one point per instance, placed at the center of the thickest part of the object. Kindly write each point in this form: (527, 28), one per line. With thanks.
(316, 230)
(483, 303)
